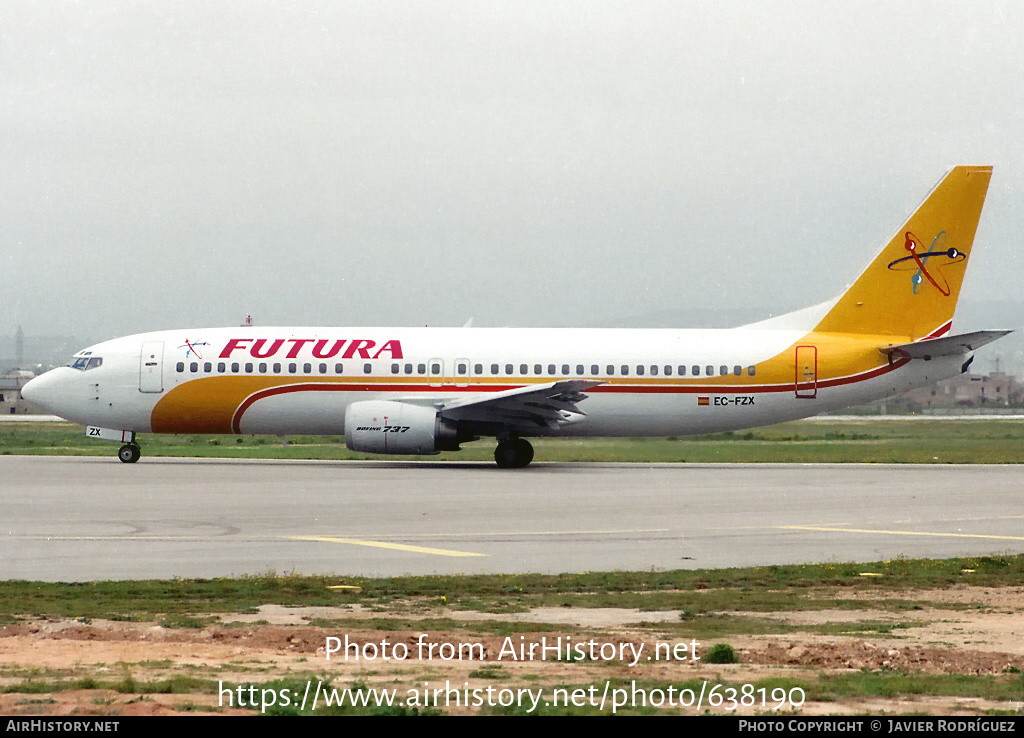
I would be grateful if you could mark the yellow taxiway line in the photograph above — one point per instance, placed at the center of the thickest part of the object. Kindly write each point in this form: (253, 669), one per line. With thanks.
(901, 532)
(383, 544)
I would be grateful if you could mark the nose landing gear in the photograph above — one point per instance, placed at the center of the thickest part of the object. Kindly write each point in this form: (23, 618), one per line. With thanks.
(129, 453)
(514, 453)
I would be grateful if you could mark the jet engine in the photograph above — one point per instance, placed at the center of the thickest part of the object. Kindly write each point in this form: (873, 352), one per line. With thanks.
(384, 427)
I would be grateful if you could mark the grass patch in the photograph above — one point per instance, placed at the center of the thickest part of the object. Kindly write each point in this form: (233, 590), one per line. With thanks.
(925, 441)
(190, 602)
(721, 653)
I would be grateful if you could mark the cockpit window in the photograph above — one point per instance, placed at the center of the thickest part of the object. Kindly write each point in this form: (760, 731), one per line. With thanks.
(85, 363)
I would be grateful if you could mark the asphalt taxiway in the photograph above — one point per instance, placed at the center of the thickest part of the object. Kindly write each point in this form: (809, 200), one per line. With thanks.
(87, 518)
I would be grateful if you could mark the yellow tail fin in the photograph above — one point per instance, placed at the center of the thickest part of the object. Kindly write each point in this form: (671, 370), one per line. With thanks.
(912, 286)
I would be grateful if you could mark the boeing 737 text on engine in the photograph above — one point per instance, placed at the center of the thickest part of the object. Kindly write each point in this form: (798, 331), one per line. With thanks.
(426, 390)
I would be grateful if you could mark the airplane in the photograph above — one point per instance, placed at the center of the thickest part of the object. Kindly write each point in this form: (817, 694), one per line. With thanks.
(427, 390)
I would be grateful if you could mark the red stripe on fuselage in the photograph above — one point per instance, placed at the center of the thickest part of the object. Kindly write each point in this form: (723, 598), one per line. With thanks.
(236, 419)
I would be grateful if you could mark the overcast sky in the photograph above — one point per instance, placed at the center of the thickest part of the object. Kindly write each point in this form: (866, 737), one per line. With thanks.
(525, 163)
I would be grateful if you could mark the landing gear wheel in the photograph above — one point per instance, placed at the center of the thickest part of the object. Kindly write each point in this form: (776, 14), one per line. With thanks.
(129, 453)
(513, 454)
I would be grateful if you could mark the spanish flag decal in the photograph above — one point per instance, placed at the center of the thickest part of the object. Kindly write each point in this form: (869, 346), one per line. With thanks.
(703, 400)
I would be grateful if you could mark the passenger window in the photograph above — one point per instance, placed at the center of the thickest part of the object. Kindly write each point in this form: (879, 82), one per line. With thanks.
(695, 370)
(292, 367)
(640, 369)
(750, 371)
(536, 369)
(221, 367)
(723, 370)
(339, 368)
(207, 366)
(323, 368)
(579, 370)
(248, 367)
(478, 369)
(565, 369)
(180, 366)
(494, 369)
(508, 368)
(461, 368)
(234, 367)
(367, 368)
(625, 370)
(682, 370)
(654, 370)
(408, 368)
(709, 370)
(307, 368)
(421, 368)
(737, 370)
(551, 368)
(524, 369)
(277, 368)
(394, 368)
(595, 369)
(668, 370)
(435, 368)
(193, 367)
(610, 370)
(263, 367)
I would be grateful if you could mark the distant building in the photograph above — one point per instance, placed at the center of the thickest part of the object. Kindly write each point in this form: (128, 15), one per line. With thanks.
(997, 389)
(11, 402)
(38, 352)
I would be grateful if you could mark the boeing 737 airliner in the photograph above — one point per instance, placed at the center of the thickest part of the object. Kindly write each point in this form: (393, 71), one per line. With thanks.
(425, 390)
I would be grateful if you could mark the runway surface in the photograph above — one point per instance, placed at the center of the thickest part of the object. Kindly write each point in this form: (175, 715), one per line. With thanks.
(85, 518)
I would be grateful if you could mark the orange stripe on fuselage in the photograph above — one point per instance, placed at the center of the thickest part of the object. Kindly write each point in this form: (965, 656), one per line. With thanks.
(217, 404)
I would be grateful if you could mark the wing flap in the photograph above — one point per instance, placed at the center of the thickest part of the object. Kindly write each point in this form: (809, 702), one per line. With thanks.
(545, 406)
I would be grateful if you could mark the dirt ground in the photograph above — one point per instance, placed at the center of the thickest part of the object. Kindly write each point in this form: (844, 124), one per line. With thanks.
(986, 638)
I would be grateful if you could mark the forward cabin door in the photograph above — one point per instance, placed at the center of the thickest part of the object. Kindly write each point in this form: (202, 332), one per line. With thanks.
(807, 371)
(151, 362)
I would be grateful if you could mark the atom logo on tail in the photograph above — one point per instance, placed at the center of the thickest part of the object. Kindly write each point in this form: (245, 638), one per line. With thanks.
(918, 261)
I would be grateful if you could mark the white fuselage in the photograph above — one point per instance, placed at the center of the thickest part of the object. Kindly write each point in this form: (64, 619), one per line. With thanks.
(301, 380)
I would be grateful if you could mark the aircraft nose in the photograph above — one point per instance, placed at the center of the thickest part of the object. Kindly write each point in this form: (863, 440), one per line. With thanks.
(32, 390)
(43, 391)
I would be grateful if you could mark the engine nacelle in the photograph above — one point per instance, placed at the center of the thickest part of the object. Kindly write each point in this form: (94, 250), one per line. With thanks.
(384, 427)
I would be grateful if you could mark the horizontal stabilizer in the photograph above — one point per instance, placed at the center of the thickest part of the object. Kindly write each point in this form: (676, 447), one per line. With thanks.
(945, 346)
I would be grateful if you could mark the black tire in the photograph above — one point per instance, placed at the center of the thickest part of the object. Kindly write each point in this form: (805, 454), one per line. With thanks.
(514, 454)
(129, 453)
(525, 452)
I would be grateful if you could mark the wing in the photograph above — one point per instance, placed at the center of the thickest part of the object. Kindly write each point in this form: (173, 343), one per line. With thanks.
(524, 409)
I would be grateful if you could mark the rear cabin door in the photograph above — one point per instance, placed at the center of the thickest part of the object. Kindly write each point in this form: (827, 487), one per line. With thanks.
(807, 371)
(151, 362)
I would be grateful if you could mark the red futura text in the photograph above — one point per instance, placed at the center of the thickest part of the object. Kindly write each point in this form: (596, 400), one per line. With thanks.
(322, 348)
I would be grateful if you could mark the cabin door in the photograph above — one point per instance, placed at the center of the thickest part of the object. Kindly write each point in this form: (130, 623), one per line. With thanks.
(151, 362)
(807, 371)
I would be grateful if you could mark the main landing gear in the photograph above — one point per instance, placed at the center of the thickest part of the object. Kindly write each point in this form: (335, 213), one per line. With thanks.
(514, 453)
(129, 453)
